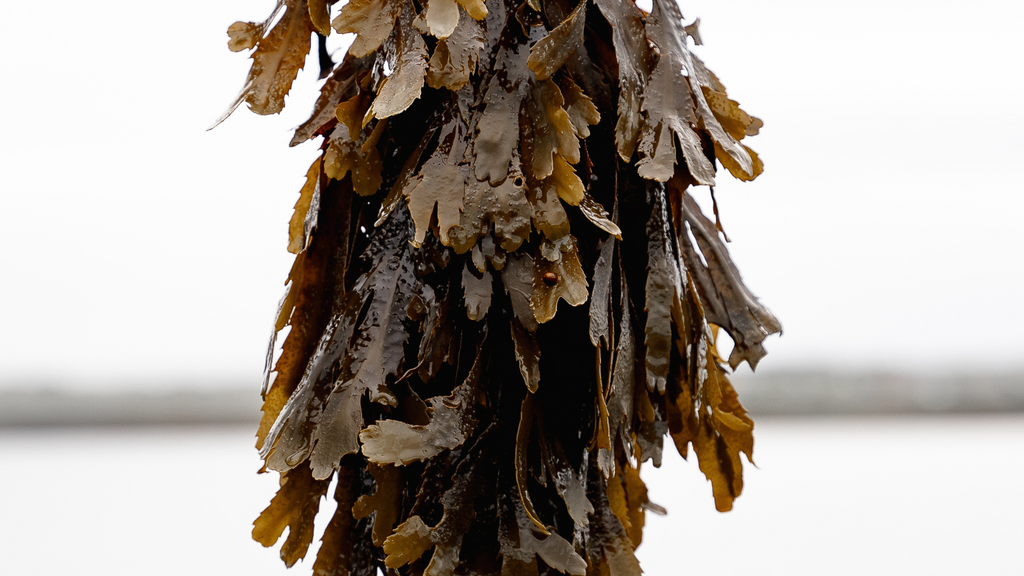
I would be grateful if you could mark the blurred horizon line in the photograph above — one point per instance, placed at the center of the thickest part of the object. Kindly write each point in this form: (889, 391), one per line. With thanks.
(808, 392)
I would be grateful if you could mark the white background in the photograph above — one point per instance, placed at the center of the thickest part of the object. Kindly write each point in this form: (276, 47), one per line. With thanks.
(937, 496)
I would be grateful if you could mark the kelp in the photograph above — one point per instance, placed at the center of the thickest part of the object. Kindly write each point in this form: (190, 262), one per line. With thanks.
(505, 294)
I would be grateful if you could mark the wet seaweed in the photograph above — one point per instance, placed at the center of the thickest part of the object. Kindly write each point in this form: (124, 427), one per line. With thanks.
(504, 293)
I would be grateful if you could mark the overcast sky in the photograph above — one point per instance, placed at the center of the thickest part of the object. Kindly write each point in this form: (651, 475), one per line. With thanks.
(137, 248)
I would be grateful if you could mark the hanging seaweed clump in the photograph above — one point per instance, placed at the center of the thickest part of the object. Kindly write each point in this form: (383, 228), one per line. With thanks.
(481, 161)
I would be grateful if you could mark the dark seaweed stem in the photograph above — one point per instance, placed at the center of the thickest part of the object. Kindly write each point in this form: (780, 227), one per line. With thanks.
(477, 351)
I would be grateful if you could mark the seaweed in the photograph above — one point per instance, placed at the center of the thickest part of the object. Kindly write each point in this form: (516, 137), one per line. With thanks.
(505, 294)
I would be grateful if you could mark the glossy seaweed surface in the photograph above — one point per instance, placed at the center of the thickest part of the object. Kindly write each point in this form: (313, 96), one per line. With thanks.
(481, 161)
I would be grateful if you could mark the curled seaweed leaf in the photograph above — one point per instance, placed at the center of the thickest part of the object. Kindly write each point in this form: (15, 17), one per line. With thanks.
(299, 226)
(384, 502)
(498, 127)
(352, 149)
(413, 538)
(441, 16)
(375, 351)
(582, 111)
(293, 507)
(277, 59)
(633, 60)
(517, 277)
(727, 301)
(668, 104)
(451, 421)
(439, 184)
(547, 130)
(558, 278)
(371, 20)
(477, 290)
(503, 206)
(456, 56)
(663, 291)
(403, 86)
(551, 52)
(527, 354)
(601, 328)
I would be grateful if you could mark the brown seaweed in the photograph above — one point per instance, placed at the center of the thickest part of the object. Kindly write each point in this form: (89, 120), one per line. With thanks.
(504, 293)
